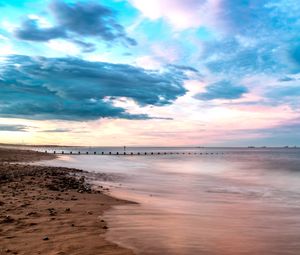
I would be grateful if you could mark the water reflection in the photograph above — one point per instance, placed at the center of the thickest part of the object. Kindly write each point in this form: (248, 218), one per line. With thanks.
(243, 202)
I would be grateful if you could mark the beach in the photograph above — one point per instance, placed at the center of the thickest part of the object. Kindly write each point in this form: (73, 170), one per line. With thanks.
(51, 210)
(221, 201)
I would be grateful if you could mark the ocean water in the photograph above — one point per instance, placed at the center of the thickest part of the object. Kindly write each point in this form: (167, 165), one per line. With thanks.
(245, 201)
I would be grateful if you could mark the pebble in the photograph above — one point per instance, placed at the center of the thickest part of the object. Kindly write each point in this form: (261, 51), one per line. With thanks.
(8, 219)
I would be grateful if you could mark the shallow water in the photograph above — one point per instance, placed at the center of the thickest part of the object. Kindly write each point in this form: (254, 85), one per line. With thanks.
(246, 201)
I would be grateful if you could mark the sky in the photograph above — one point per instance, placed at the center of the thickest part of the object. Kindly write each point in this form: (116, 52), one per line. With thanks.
(150, 73)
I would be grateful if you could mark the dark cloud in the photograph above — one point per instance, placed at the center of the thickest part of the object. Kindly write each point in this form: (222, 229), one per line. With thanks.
(222, 90)
(89, 19)
(77, 21)
(186, 68)
(13, 128)
(57, 130)
(74, 89)
(31, 32)
(86, 47)
(286, 79)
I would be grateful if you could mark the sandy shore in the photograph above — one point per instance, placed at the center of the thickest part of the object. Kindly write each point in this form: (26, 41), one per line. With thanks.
(50, 210)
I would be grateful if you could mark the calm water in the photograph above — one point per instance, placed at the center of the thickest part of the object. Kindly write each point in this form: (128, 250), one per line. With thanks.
(245, 201)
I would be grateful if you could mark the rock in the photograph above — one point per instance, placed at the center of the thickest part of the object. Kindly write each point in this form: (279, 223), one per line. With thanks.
(105, 227)
(52, 211)
(10, 237)
(31, 213)
(46, 238)
(8, 219)
(25, 205)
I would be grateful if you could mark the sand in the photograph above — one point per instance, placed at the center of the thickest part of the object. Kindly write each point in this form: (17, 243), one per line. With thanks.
(50, 210)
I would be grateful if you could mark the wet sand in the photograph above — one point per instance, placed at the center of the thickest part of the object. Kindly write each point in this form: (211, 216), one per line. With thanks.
(243, 202)
(50, 210)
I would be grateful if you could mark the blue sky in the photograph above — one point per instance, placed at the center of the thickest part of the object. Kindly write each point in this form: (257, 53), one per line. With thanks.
(138, 72)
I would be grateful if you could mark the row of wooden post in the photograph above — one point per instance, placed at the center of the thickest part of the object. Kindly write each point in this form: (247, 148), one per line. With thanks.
(139, 153)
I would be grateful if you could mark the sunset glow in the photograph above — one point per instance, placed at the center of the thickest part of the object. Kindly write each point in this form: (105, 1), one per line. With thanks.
(140, 72)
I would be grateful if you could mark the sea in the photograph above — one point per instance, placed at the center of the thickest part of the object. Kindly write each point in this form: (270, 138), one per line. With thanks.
(210, 201)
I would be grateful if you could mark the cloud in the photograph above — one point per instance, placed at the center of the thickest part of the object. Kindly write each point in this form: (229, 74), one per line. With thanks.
(286, 79)
(187, 68)
(77, 21)
(181, 14)
(284, 133)
(263, 17)
(13, 128)
(262, 36)
(57, 130)
(30, 31)
(256, 39)
(295, 54)
(233, 57)
(89, 19)
(286, 93)
(74, 89)
(222, 90)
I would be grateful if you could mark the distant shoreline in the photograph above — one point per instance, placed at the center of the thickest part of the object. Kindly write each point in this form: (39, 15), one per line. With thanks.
(7, 145)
